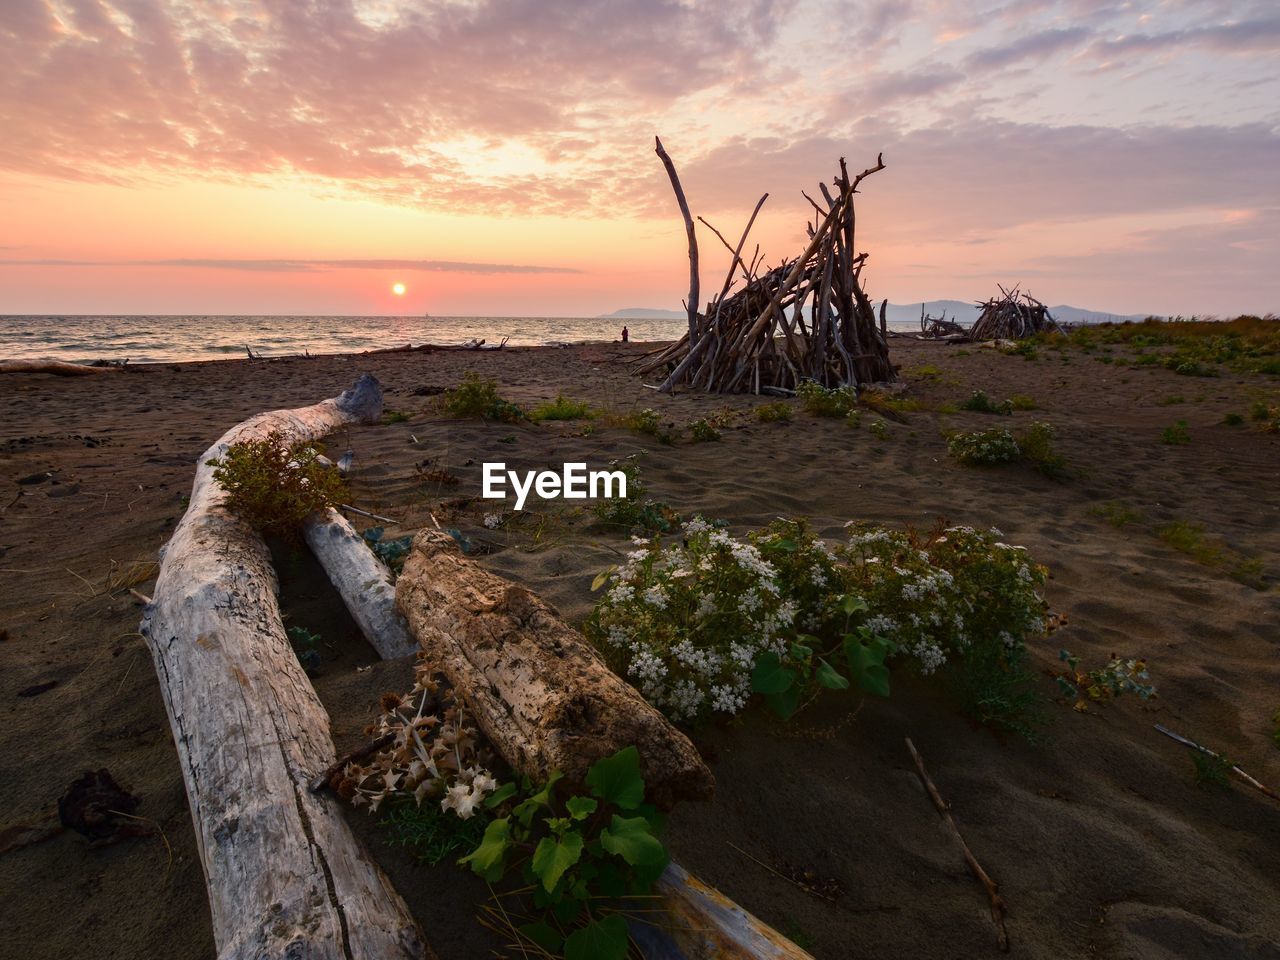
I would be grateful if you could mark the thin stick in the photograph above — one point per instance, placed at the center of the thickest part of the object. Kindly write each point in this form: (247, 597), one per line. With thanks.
(693, 240)
(163, 839)
(992, 888)
(1261, 787)
(141, 596)
(322, 780)
(366, 513)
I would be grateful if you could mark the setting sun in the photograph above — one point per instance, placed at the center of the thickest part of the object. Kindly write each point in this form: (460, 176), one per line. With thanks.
(398, 289)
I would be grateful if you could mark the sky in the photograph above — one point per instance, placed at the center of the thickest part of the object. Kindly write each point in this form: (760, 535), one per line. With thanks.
(497, 158)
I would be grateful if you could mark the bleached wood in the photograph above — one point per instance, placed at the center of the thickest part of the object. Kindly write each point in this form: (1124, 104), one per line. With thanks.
(537, 688)
(362, 581)
(58, 368)
(285, 875)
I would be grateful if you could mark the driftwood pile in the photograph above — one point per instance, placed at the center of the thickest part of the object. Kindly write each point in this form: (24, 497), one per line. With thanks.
(1012, 316)
(937, 328)
(805, 319)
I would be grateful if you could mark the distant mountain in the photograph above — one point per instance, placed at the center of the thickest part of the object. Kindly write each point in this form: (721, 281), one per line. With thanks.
(965, 312)
(645, 313)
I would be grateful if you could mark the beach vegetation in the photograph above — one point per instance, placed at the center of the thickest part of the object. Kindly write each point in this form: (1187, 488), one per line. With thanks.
(649, 422)
(702, 622)
(477, 396)
(1190, 347)
(879, 429)
(1117, 514)
(703, 430)
(984, 447)
(853, 418)
(635, 513)
(1176, 435)
(926, 371)
(1171, 400)
(1233, 420)
(1189, 538)
(1036, 444)
(393, 416)
(274, 485)
(888, 404)
(1021, 401)
(1259, 410)
(826, 402)
(1115, 678)
(306, 647)
(392, 551)
(776, 412)
(979, 402)
(1211, 771)
(562, 408)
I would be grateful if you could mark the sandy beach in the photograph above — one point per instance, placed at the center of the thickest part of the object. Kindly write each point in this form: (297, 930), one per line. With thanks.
(1102, 842)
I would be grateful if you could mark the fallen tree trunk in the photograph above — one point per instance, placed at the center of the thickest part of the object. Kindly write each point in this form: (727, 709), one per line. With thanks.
(699, 921)
(538, 689)
(59, 368)
(285, 875)
(362, 581)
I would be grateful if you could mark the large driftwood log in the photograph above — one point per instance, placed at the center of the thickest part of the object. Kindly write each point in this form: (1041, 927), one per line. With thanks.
(539, 691)
(286, 877)
(698, 921)
(59, 368)
(362, 581)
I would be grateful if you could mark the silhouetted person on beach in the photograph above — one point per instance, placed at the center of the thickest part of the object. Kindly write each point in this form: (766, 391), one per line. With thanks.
(626, 335)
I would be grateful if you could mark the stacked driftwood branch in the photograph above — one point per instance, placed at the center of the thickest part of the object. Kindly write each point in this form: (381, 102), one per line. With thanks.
(936, 328)
(805, 319)
(1013, 315)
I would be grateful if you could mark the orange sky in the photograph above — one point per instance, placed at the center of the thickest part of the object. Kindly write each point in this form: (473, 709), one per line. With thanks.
(228, 156)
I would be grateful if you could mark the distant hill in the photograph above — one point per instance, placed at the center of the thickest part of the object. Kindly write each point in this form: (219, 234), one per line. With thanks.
(645, 313)
(965, 312)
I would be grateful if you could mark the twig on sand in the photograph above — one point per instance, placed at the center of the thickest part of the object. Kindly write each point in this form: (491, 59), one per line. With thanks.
(1260, 787)
(139, 595)
(992, 888)
(159, 829)
(366, 513)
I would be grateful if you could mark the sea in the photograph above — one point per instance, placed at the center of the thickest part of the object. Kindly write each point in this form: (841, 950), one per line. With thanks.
(169, 339)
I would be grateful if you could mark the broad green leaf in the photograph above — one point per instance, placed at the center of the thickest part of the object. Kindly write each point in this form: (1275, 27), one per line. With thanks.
(770, 676)
(630, 839)
(499, 795)
(603, 939)
(617, 779)
(553, 857)
(581, 807)
(866, 665)
(852, 603)
(487, 859)
(790, 546)
(525, 810)
(786, 703)
(800, 652)
(831, 678)
(543, 934)
(601, 579)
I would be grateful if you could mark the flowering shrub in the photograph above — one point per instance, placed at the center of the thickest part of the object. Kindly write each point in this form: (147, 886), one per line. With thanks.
(700, 623)
(823, 402)
(1104, 683)
(984, 447)
(703, 430)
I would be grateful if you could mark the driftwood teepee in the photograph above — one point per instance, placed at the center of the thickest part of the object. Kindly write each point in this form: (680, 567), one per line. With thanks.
(1012, 316)
(762, 339)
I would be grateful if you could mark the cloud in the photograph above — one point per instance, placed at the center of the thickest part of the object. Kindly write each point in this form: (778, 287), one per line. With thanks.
(1038, 45)
(302, 266)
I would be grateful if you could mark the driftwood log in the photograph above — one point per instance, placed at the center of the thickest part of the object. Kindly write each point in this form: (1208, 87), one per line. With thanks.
(537, 688)
(285, 875)
(59, 368)
(362, 581)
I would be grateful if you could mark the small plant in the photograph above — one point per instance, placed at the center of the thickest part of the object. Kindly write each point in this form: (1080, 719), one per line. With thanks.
(926, 371)
(306, 646)
(1176, 435)
(853, 418)
(1189, 538)
(478, 397)
(1212, 771)
(1117, 514)
(574, 853)
(649, 422)
(879, 429)
(1233, 420)
(984, 447)
(394, 416)
(775, 412)
(635, 511)
(562, 408)
(391, 552)
(1259, 410)
(979, 402)
(703, 431)
(826, 402)
(1036, 443)
(1020, 401)
(1172, 400)
(1104, 683)
(275, 486)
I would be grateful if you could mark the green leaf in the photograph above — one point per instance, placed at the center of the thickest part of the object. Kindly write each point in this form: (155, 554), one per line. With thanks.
(601, 579)
(603, 939)
(581, 807)
(499, 795)
(786, 703)
(487, 859)
(831, 678)
(631, 839)
(543, 934)
(553, 857)
(800, 652)
(770, 676)
(790, 546)
(617, 779)
(866, 665)
(852, 603)
(525, 810)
